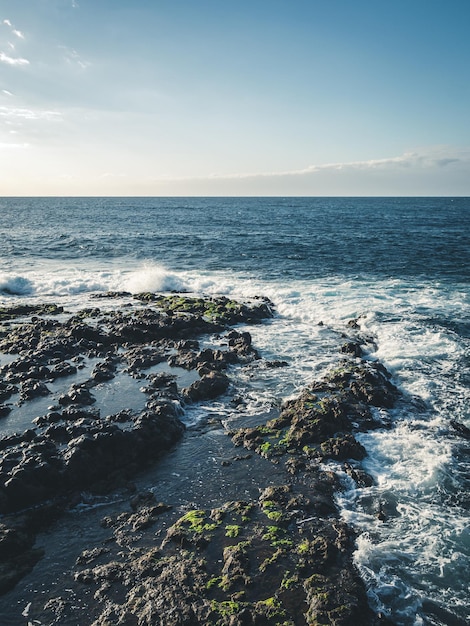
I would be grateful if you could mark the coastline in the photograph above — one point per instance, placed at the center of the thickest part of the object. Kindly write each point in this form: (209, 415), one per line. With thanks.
(273, 558)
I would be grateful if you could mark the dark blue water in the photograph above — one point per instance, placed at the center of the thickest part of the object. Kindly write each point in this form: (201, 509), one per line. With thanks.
(384, 237)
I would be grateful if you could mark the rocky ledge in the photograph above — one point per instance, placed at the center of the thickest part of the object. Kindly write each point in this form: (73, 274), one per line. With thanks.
(283, 557)
(72, 447)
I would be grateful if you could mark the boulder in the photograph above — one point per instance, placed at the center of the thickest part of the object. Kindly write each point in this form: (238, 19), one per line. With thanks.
(211, 385)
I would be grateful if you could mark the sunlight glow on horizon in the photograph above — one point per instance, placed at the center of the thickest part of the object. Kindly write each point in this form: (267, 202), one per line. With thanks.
(158, 99)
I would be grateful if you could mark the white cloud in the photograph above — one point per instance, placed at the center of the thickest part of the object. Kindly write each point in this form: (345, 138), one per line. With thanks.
(18, 114)
(13, 146)
(14, 30)
(424, 160)
(431, 163)
(6, 58)
(6, 92)
(72, 57)
(17, 61)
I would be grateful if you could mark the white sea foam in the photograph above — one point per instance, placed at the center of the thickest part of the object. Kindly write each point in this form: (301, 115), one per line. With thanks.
(15, 285)
(154, 278)
(408, 462)
(411, 462)
(54, 282)
(411, 555)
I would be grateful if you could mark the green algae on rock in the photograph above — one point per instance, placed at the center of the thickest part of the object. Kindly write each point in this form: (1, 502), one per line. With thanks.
(73, 447)
(319, 423)
(269, 574)
(218, 309)
(21, 310)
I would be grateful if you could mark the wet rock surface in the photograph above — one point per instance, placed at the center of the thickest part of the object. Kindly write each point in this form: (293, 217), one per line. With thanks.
(273, 553)
(319, 424)
(73, 447)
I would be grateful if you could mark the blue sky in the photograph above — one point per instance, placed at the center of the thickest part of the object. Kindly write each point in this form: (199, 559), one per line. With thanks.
(204, 97)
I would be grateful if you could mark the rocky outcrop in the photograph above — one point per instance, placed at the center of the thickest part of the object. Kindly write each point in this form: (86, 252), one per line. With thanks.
(320, 423)
(284, 558)
(73, 447)
(271, 561)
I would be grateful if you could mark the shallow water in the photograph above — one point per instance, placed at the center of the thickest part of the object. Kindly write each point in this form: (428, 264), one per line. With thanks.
(199, 472)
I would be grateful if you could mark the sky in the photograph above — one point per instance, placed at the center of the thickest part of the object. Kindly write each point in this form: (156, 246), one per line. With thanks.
(246, 98)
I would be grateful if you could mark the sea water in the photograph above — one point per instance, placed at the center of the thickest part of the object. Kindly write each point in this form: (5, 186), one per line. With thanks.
(401, 266)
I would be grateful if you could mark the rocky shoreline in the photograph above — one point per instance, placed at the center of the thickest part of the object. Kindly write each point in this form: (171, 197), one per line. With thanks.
(283, 557)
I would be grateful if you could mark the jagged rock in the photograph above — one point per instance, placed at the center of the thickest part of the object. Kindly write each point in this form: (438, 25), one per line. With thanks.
(211, 385)
(460, 428)
(33, 389)
(77, 394)
(254, 562)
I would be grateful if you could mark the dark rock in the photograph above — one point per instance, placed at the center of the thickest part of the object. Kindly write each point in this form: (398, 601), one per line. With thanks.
(5, 410)
(104, 371)
(75, 413)
(211, 385)
(112, 294)
(460, 428)
(89, 556)
(343, 447)
(353, 348)
(21, 310)
(339, 600)
(77, 394)
(7, 390)
(58, 433)
(241, 344)
(353, 324)
(81, 331)
(143, 357)
(13, 440)
(360, 477)
(164, 383)
(62, 369)
(261, 557)
(276, 364)
(33, 389)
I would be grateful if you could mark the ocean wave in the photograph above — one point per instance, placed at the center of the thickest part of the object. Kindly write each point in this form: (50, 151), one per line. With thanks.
(16, 285)
(53, 280)
(154, 278)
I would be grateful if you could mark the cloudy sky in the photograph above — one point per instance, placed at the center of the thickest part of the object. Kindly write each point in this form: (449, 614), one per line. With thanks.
(258, 97)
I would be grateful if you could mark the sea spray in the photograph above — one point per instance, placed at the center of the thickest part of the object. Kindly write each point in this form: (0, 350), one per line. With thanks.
(12, 285)
(153, 278)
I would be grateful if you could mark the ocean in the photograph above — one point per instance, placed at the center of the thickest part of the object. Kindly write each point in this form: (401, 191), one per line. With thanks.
(401, 265)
